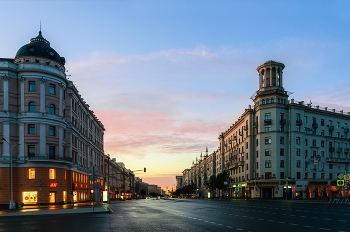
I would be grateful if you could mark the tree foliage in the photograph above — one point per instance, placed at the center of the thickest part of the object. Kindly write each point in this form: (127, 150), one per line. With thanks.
(218, 182)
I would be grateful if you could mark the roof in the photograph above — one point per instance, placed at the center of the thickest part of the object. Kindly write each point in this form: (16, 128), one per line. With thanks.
(40, 47)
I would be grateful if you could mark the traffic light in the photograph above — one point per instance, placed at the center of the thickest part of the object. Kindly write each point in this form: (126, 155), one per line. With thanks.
(144, 169)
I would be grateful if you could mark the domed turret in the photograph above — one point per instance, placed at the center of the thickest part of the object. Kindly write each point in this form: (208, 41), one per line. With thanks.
(270, 75)
(39, 47)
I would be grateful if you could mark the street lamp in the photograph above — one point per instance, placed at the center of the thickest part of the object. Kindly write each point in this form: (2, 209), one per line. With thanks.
(11, 202)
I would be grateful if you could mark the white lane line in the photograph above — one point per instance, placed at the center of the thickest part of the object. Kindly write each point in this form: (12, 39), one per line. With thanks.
(308, 226)
(281, 222)
(230, 214)
(323, 229)
(205, 221)
(283, 214)
(244, 216)
(292, 224)
(271, 220)
(239, 229)
(251, 217)
(274, 213)
(220, 224)
(341, 220)
(261, 219)
(237, 215)
(212, 222)
(315, 217)
(229, 227)
(194, 218)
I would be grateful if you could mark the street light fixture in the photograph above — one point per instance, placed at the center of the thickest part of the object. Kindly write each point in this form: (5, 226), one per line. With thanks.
(11, 202)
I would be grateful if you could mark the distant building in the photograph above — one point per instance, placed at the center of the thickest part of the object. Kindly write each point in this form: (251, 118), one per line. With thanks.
(53, 134)
(281, 148)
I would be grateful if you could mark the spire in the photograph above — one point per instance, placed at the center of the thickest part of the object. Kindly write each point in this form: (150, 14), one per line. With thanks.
(206, 150)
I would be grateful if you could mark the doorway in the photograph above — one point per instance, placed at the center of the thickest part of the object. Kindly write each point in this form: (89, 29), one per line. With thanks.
(52, 197)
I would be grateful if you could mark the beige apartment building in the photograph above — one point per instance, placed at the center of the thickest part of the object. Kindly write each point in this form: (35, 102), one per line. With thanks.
(284, 148)
(47, 128)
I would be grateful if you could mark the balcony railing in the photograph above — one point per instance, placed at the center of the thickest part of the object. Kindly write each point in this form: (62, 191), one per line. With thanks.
(267, 121)
(331, 149)
(255, 124)
(346, 130)
(282, 121)
(241, 163)
(337, 160)
(299, 122)
(69, 159)
(339, 149)
(346, 150)
(314, 125)
(331, 128)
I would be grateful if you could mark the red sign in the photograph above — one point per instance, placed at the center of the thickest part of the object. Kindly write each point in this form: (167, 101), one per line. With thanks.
(53, 185)
(347, 181)
(81, 185)
(26, 198)
(86, 186)
(76, 185)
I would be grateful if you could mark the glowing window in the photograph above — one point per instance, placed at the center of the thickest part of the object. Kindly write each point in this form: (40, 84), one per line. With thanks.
(31, 173)
(52, 174)
(30, 197)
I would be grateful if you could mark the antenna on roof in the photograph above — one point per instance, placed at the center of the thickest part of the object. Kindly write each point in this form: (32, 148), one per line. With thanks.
(40, 24)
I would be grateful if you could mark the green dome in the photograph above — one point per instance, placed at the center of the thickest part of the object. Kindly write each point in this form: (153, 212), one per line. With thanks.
(40, 47)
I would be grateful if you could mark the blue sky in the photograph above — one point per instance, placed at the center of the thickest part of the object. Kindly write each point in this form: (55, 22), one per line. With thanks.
(166, 77)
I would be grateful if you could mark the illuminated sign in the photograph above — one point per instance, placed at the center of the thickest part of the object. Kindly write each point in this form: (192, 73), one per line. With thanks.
(76, 185)
(340, 183)
(81, 185)
(53, 185)
(86, 186)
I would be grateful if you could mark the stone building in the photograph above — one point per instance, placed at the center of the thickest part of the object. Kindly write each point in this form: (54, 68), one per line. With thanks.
(50, 130)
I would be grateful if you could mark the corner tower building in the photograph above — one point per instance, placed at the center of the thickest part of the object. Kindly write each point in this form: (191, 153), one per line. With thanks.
(53, 134)
(283, 148)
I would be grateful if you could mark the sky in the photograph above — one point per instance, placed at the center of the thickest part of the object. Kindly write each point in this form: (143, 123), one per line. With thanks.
(167, 77)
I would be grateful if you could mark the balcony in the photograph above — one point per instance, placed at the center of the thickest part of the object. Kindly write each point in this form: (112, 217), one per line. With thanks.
(314, 125)
(339, 149)
(331, 128)
(245, 128)
(346, 130)
(337, 160)
(282, 121)
(267, 121)
(299, 122)
(241, 163)
(331, 149)
(255, 124)
(346, 150)
(51, 159)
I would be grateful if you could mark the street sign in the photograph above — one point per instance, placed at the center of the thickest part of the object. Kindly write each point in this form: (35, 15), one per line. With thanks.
(347, 177)
(41, 181)
(93, 169)
(97, 185)
(340, 182)
(340, 177)
(93, 178)
(347, 181)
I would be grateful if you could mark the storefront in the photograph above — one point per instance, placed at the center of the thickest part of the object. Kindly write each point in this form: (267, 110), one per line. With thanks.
(30, 197)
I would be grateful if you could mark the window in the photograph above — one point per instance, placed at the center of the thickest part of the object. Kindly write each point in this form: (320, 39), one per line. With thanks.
(257, 165)
(267, 175)
(267, 152)
(267, 128)
(345, 125)
(247, 167)
(330, 166)
(322, 132)
(297, 128)
(281, 128)
(267, 140)
(52, 152)
(322, 175)
(298, 175)
(52, 109)
(31, 151)
(281, 152)
(298, 117)
(281, 140)
(314, 142)
(31, 129)
(306, 153)
(282, 163)
(52, 130)
(305, 142)
(257, 154)
(330, 175)
(338, 124)
(298, 163)
(313, 131)
(31, 85)
(322, 153)
(281, 175)
(305, 119)
(31, 107)
(268, 164)
(263, 102)
(52, 174)
(298, 140)
(281, 116)
(268, 116)
(257, 142)
(31, 173)
(271, 100)
(52, 89)
(322, 122)
(298, 151)
(267, 101)
(338, 134)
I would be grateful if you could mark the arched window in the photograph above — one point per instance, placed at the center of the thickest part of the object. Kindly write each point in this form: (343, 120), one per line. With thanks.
(52, 109)
(31, 107)
(263, 101)
(267, 101)
(271, 100)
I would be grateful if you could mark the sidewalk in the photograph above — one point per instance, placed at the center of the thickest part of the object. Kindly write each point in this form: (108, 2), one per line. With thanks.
(79, 208)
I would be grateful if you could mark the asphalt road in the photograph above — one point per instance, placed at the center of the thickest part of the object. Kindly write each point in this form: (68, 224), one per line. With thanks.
(195, 215)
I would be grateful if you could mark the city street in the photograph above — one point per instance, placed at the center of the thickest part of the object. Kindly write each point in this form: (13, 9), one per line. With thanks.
(194, 215)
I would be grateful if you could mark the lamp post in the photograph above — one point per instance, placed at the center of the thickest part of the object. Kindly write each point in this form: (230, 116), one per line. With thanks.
(11, 202)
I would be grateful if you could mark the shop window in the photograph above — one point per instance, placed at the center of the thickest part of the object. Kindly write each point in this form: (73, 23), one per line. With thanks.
(30, 197)
(52, 174)
(31, 173)
(52, 197)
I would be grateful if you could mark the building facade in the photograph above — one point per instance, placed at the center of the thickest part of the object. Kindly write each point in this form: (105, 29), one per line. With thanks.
(47, 128)
(282, 148)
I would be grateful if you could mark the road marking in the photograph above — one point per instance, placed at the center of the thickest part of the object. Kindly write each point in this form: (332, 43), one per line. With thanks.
(308, 226)
(341, 220)
(230, 214)
(205, 221)
(237, 215)
(244, 216)
(229, 227)
(302, 216)
(261, 219)
(274, 213)
(251, 217)
(323, 229)
(292, 215)
(212, 222)
(293, 224)
(281, 222)
(271, 220)
(283, 214)
(315, 217)
(194, 218)
(220, 224)
(239, 229)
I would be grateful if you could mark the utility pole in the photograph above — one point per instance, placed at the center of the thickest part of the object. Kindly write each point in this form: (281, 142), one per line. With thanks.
(108, 200)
